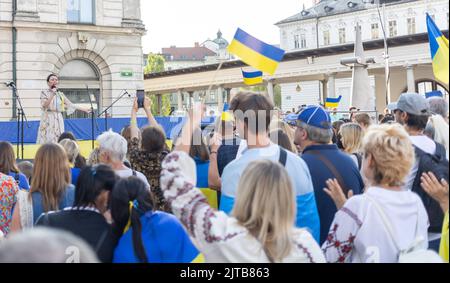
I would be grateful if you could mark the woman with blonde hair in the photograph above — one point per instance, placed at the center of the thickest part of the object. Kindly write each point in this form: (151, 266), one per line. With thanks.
(51, 188)
(287, 131)
(261, 227)
(351, 137)
(72, 151)
(386, 220)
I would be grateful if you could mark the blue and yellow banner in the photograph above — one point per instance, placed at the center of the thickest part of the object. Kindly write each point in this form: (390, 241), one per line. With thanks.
(252, 78)
(254, 52)
(333, 102)
(439, 51)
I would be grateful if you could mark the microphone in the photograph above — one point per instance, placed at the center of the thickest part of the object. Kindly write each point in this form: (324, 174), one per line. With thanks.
(10, 84)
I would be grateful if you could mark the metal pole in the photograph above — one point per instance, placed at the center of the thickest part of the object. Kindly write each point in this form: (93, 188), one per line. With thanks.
(386, 54)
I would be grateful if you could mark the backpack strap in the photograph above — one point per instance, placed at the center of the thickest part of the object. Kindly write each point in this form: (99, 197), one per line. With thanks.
(134, 173)
(332, 168)
(283, 157)
(388, 224)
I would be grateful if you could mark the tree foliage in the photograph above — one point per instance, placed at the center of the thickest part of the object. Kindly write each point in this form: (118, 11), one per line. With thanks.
(155, 64)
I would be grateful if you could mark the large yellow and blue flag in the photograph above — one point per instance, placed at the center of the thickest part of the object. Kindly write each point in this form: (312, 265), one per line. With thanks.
(252, 78)
(439, 51)
(254, 52)
(333, 102)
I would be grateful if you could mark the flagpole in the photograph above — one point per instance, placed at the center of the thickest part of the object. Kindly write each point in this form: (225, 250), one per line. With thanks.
(385, 54)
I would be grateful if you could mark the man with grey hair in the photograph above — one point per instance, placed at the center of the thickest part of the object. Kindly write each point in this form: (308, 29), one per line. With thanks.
(43, 245)
(325, 161)
(112, 151)
(439, 106)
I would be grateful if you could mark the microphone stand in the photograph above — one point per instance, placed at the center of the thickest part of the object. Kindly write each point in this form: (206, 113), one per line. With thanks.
(110, 106)
(92, 118)
(21, 120)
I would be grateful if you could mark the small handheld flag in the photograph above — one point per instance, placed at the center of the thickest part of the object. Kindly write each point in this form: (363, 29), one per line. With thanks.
(439, 51)
(226, 116)
(333, 102)
(436, 93)
(252, 78)
(254, 52)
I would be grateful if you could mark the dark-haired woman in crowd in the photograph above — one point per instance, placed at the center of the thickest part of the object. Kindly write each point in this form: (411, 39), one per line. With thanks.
(85, 219)
(146, 150)
(8, 165)
(200, 153)
(147, 236)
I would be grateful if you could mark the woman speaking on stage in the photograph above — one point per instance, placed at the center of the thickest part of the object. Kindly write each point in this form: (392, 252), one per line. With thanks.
(54, 103)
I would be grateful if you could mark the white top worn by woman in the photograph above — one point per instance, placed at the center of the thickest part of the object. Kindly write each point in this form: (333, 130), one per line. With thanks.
(359, 235)
(218, 236)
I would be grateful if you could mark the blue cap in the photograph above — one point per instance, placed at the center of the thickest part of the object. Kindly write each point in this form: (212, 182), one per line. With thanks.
(315, 116)
(291, 119)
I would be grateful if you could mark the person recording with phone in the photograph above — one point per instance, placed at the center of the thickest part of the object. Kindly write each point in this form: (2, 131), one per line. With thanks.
(54, 103)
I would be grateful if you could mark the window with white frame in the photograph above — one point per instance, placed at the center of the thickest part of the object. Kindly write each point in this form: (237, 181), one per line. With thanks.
(326, 37)
(296, 41)
(411, 25)
(392, 28)
(342, 35)
(80, 11)
(375, 31)
(302, 41)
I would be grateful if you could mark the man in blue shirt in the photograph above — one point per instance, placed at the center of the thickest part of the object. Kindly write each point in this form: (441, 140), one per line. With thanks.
(325, 161)
(253, 114)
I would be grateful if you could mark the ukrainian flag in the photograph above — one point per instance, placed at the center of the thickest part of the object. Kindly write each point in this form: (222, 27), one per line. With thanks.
(226, 116)
(333, 102)
(439, 51)
(253, 52)
(252, 78)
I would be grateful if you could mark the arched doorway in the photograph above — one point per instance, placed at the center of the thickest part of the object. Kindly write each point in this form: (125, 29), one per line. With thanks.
(425, 86)
(80, 82)
(428, 85)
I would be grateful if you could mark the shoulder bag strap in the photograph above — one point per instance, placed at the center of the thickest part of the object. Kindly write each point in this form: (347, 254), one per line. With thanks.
(332, 168)
(387, 223)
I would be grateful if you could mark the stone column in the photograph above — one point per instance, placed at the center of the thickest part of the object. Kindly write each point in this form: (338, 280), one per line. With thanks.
(270, 91)
(132, 14)
(410, 78)
(220, 99)
(332, 85)
(27, 11)
(180, 100)
(324, 90)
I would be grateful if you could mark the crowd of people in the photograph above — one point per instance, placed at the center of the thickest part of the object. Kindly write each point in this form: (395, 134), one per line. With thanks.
(306, 188)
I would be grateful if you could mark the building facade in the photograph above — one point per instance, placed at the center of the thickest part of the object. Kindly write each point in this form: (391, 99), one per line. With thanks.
(93, 45)
(332, 23)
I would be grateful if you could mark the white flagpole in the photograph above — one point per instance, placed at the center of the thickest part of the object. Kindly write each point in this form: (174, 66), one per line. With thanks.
(386, 53)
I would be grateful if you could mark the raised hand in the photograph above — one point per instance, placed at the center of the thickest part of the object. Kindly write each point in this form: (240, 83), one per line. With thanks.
(335, 192)
(437, 190)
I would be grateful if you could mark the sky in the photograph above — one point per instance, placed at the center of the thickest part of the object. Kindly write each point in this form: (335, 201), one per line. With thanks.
(183, 22)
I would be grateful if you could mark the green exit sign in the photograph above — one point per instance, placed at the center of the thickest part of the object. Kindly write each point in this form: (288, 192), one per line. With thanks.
(126, 73)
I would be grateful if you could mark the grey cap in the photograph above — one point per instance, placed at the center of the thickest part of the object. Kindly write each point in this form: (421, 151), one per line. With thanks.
(411, 103)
